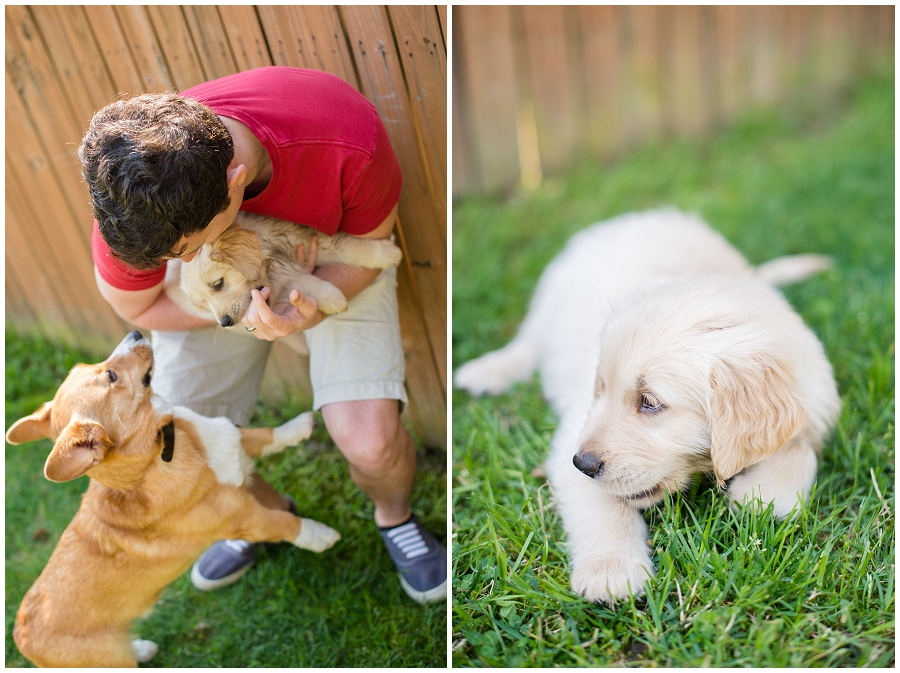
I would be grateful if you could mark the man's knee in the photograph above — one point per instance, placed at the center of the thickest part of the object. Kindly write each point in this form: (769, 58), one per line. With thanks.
(367, 433)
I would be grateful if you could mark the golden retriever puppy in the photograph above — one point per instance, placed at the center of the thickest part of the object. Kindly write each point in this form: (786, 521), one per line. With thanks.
(664, 354)
(258, 251)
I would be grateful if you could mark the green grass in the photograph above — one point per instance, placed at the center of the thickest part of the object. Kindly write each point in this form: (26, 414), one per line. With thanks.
(732, 588)
(341, 608)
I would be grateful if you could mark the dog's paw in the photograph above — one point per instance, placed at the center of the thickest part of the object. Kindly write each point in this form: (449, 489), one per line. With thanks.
(746, 490)
(291, 433)
(316, 536)
(144, 650)
(610, 577)
(489, 374)
(331, 301)
(388, 255)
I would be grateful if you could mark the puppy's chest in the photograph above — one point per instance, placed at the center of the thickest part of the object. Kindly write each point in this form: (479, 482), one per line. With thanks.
(221, 443)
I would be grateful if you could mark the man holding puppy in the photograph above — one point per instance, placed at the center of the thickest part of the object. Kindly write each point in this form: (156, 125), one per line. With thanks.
(168, 173)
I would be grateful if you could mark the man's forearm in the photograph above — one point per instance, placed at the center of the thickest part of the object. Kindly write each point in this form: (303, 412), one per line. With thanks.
(166, 316)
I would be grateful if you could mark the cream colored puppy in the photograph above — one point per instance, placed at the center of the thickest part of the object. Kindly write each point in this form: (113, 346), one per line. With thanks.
(258, 251)
(664, 354)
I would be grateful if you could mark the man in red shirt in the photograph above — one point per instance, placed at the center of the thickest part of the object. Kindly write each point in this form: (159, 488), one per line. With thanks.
(168, 173)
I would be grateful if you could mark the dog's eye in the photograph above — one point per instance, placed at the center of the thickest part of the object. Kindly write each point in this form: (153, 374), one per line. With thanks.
(111, 375)
(219, 284)
(146, 380)
(650, 405)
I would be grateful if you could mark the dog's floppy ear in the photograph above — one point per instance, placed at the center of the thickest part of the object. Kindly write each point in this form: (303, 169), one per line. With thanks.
(31, 428)
(753, 411)
(239, 249)
(81, 446)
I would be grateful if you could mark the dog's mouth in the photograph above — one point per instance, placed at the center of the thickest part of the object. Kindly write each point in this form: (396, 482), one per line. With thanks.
(649, 494)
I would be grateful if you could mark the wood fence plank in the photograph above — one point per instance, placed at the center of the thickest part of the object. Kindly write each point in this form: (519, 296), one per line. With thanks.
(464, 169)
(53, 29)
(688, 94)
(211, 41)
(489, 79)
(603, 72)
(34, 186)
(425, 66)
(34, 75)
(381, 81)
(645, 74)
(114, 47)
(87, 59)
(308, 37)
(552, 89)
(23, 261)
(248, 43)
(177, 45)
(442, 17)
(145, 50)
(733, 68)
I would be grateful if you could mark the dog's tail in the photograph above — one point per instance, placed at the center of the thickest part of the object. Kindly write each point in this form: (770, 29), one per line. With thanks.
(791, 268)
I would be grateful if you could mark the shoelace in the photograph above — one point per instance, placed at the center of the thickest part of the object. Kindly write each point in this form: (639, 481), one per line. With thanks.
(408, 540)
(239, 546)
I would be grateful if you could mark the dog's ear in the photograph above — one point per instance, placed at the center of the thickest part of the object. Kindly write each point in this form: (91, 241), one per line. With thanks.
(31, 428)
(754, 410)
(239, 249)
(81, 446)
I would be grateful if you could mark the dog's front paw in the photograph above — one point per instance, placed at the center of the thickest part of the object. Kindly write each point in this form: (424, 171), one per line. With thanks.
(610, 577)
(144, 650)
(745, 489)
(291, 433)
(316, 536)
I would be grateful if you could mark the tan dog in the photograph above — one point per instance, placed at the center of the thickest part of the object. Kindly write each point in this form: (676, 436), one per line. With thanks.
(665, 354)
(165, 483)
(258, 251)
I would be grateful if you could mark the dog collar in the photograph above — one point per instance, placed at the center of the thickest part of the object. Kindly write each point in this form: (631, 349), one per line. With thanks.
(168, 433)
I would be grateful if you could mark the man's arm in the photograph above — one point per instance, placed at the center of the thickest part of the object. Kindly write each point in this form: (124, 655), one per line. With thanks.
(148, 309)
(302, 313)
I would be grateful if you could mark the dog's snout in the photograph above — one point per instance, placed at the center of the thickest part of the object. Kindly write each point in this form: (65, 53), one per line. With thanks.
(589, 464)
(226, 321)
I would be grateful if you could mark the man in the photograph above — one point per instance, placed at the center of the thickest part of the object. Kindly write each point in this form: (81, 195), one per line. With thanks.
(168, 173)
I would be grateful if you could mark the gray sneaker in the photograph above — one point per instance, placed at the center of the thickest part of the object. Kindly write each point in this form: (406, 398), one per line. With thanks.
(226, 561)
(420, 559)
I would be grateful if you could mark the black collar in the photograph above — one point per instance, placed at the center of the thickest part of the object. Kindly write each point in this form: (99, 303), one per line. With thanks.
(168, 433)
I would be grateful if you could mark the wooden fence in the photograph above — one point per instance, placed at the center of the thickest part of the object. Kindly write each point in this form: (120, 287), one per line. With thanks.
(65, 62)
(536, 89)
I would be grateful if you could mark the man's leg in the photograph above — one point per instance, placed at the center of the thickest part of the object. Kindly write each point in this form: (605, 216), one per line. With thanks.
(380, 454)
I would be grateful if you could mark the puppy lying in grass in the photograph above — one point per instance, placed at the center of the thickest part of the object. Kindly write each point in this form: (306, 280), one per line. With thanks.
(258, 251)
(664, 354)
(165, 483)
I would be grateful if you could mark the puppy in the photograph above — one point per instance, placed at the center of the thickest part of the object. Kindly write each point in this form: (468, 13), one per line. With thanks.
(165, 483)
(258, 251)
(664, 354)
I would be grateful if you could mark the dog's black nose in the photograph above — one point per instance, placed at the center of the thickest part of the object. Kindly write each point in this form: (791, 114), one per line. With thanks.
(226, 321)
(136, 335)
(588, 463)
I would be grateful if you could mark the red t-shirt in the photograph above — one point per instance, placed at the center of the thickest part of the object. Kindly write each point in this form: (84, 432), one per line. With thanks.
(333, 167)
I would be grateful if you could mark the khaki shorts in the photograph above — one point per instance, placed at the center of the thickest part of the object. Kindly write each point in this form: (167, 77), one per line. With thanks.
(356, 355)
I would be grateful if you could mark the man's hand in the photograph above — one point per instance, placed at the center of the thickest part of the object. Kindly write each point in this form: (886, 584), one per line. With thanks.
(278, 321)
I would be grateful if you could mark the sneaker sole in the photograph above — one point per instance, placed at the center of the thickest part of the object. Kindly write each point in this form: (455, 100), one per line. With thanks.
(423, 597)
(204, 584)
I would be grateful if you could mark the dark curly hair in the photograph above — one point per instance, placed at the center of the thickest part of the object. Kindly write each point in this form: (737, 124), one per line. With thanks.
(156, 168)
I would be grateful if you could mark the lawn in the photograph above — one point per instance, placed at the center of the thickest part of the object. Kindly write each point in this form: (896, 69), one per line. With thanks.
(732, 588)
(295, 609)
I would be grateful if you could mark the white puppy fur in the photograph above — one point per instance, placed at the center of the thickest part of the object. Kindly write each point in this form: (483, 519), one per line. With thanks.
(664, 354)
